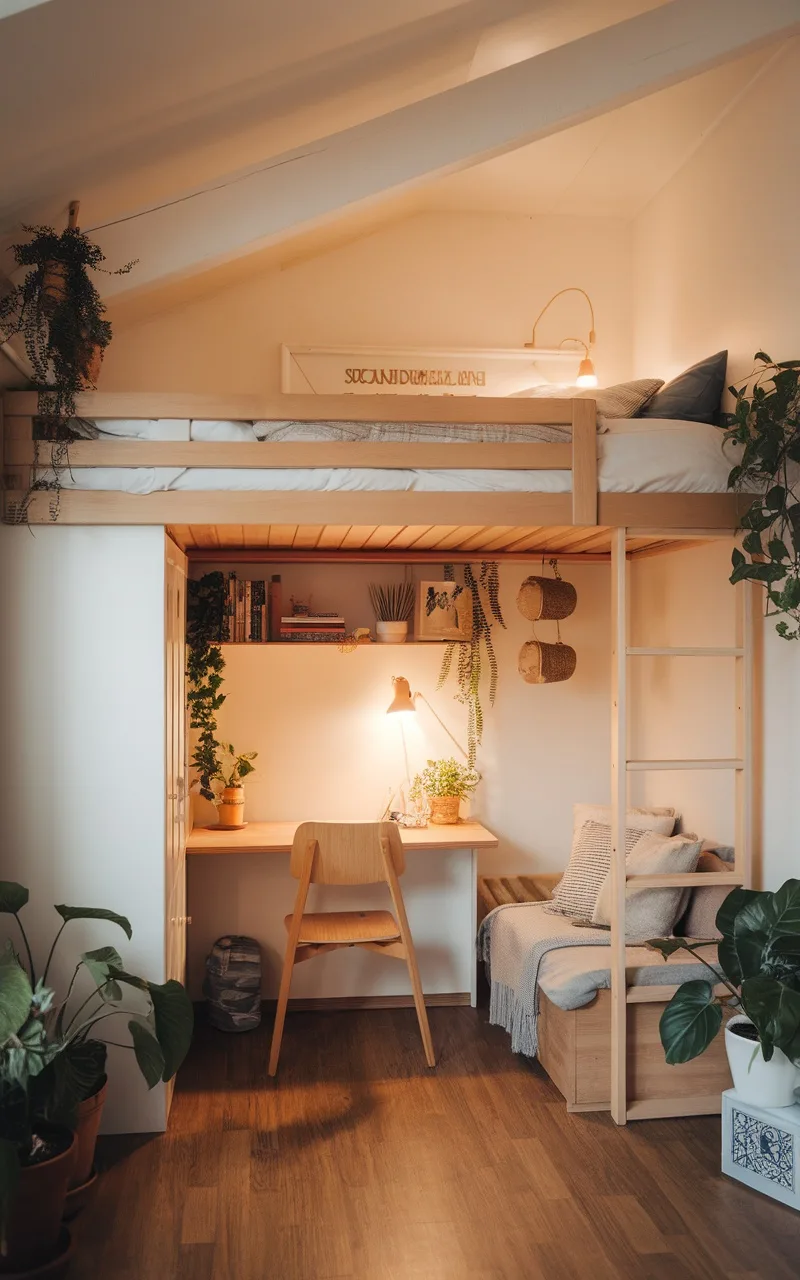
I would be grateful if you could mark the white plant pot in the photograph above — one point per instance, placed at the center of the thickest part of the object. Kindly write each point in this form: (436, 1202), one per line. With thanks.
(391, 632)
(762, 1084)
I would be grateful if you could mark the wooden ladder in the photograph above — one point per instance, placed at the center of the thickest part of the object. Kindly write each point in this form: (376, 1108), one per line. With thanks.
(622, 1107)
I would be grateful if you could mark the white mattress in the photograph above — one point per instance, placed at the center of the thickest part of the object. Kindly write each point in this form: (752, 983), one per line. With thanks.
(571, 976)
(634, 456)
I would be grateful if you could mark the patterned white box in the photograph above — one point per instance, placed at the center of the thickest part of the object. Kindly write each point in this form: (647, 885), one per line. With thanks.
(761, 1147)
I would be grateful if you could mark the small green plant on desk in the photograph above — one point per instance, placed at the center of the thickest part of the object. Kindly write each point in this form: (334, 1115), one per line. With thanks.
(443, 784)
(51, 1064)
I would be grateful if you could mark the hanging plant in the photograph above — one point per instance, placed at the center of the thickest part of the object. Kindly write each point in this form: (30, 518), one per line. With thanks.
(61, 317)
(485, 593)
(766, 423)
(204, 666)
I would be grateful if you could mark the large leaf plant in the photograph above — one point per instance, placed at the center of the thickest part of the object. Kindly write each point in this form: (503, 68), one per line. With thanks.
(766, 424)
(50, 1058)
(759, 964)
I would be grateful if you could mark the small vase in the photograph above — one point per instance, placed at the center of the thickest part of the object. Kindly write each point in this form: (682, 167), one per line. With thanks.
(391, 632)
(230, 812)
(761, 1083)
(444, 810)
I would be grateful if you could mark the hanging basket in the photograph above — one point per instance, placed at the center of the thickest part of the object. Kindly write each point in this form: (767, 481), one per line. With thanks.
(541, 663)
(546, 599)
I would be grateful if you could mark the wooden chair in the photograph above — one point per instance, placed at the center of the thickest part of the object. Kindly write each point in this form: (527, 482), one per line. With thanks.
(348, 853)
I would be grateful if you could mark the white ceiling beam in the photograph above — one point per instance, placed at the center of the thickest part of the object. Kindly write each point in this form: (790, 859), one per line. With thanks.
(10, 7)
(438, 135)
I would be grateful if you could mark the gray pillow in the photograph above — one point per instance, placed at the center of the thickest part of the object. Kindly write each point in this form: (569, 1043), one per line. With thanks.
(651, 913)
(694, 396)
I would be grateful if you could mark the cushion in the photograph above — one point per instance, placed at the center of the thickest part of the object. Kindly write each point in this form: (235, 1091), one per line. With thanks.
(700, 920)
(694, 396)
(588, 866)
(651, 913)
(647, 819)
(624, 400)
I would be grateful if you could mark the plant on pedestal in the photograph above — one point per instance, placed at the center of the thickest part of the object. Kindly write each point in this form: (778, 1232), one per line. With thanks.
(759, 964)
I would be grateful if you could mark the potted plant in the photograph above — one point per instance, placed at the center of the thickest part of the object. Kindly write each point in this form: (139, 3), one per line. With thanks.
(394, 606)
(48, 1051)
(232, 773)
(759, 960)
(59, 313)
(444, 784)
(766, 425)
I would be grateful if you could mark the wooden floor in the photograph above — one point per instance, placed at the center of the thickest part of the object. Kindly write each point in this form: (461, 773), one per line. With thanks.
(360, 1164)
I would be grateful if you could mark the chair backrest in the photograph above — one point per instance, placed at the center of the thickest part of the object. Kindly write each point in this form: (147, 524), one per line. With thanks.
(347, 852)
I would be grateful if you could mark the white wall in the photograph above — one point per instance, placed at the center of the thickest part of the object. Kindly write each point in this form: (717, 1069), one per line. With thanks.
(468, 279)
(716, 266)
(82, 692)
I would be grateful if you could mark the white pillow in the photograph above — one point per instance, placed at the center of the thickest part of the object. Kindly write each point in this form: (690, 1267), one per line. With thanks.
(588, 867)
(647, 819)
(651, 913)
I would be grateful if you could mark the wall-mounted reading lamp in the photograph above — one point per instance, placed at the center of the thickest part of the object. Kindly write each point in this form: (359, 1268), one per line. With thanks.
(405, 700)
(586, 374)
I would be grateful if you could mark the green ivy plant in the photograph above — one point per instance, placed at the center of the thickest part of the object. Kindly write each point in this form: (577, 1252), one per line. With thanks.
(766, 424)
(204, 667)
(759, 956)
(486, 611)
(237, 768)
(50, 1061)
(61, 317)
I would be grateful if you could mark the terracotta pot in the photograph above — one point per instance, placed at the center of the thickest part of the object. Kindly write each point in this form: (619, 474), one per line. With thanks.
(54, 286)
(91, 363)
(231, 807)
(444, 810)
(86, 1129)
(34, 1227)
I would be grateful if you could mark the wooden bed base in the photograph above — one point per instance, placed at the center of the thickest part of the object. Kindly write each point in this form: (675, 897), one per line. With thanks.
(575, 1051)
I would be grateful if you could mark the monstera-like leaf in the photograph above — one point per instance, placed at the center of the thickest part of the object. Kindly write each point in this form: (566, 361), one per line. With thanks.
(15, 995)
(690, 1021)
(763, 926)
(173, 1020)
(775, 1010)
(736, 900)
(94, 913)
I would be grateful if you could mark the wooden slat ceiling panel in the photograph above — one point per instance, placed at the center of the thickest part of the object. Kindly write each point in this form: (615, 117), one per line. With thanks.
(480, 539)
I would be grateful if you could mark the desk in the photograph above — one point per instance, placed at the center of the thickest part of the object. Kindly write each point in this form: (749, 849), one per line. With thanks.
(237, 892)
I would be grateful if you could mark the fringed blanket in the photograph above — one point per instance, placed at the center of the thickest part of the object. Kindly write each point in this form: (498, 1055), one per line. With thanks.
(516, 956)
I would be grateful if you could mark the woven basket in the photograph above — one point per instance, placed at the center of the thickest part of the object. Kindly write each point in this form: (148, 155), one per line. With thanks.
(549, 599)
(444, 810)
(541, 663)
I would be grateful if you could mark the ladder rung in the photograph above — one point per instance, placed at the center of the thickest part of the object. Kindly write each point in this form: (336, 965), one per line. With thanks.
(655, 766)
(662, 995)
(721, 651)
(684, 880)
(667, 1108)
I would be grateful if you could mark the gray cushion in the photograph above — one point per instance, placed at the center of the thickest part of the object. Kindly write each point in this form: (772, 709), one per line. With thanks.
(694, 396)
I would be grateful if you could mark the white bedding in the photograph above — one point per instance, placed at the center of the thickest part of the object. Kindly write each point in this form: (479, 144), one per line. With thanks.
(634, 456)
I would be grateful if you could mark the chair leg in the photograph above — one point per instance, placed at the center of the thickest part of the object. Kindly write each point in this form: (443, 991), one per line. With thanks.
(280, 1012)
(419, 1001)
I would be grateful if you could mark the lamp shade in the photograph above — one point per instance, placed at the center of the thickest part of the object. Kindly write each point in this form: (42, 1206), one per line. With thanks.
(402, 700)
(586, 374)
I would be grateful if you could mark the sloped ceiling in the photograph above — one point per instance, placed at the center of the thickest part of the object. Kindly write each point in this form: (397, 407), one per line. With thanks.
(130, 105)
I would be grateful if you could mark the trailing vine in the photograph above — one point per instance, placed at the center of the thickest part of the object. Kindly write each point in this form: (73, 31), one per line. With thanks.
(61, 317)
(766, 423)
(469, 666)
(204, 667)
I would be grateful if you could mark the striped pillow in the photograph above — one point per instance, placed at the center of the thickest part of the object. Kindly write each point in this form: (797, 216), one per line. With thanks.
(589, 864)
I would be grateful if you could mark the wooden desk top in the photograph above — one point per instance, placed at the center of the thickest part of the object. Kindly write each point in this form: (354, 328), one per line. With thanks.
(276, 837)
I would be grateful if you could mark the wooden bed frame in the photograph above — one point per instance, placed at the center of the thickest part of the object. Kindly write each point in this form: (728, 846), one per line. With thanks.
(583, 507)
(606, 1055)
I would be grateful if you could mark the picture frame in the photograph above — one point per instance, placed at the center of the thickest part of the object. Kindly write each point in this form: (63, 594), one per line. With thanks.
(444, 622)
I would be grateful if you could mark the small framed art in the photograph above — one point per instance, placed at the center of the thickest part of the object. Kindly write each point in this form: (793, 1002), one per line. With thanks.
(444, 612)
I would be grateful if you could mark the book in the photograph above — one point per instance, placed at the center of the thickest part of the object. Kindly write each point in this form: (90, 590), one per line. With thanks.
(309, 619)
(274, 600)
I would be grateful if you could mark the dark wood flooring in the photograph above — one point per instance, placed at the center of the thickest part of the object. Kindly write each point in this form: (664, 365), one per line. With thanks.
(360, 1164)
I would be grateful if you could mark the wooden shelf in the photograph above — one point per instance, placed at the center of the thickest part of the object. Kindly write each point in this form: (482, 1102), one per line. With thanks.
(332, 644)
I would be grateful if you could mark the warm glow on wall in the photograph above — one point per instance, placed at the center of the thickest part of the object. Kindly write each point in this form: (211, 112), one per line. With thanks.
(586, 373)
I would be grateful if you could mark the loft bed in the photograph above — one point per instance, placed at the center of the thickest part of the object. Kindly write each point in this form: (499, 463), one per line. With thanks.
(518, 463)
(583, 495)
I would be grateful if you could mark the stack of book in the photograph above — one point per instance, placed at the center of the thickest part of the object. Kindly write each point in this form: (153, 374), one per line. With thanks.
(313, 628)
(245, 619)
